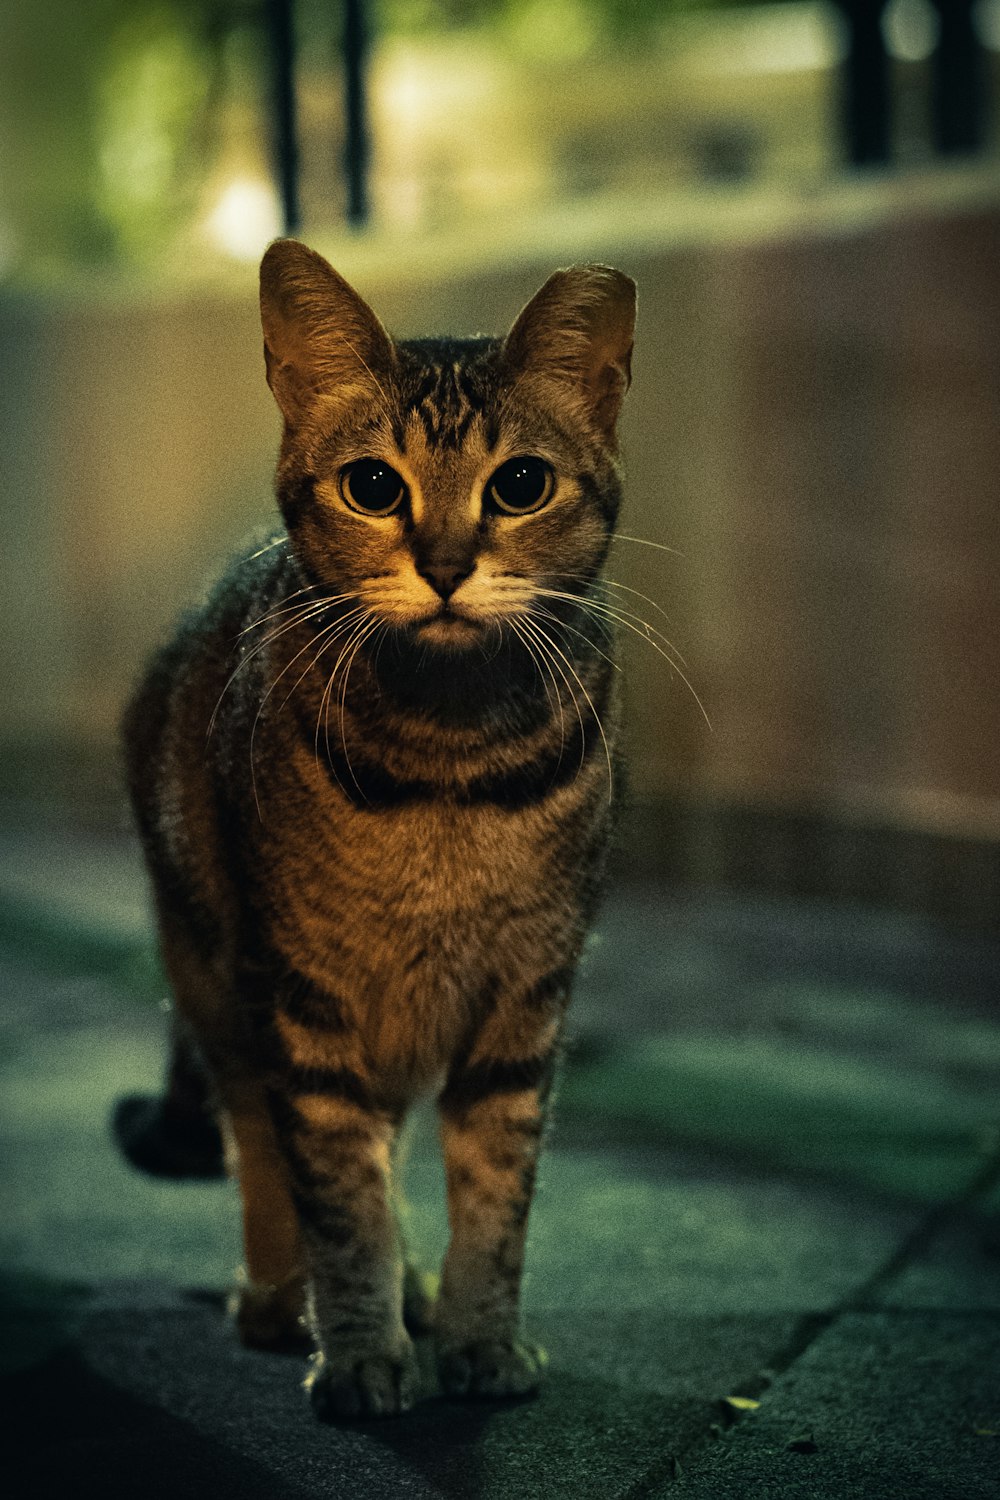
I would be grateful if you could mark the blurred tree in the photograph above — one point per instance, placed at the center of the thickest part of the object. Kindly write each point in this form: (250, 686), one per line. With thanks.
(150, 93)
(102, 124)
(619, 20)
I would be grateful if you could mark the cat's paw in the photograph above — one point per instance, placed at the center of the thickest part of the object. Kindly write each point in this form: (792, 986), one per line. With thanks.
(490, 1369)
(420, 1289)
(271, 1317)
(373, 1385)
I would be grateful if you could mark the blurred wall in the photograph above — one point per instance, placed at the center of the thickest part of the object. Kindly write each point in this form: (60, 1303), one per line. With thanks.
(813, 425)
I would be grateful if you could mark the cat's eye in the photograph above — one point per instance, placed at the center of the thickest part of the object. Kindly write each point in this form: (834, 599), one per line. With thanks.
(521, 485)
(372, 487)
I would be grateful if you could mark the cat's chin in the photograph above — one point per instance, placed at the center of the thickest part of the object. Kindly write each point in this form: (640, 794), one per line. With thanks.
(449, 632)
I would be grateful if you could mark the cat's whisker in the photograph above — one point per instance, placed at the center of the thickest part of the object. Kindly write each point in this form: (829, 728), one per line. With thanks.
(605, 581)
(331, 632)
(562, 625)
(590, 705)
(619, 536)
(555, 706)
(363, 636)
(645, 634)
(542, 662)
(365, 633)
(547, 647)
(323, 714)
(386, 626)
(306, 611)
(322, 718)
(268, 546)
(336, 626)
(288, 608)
(619, 614)
(495, 625)
(624, 612)
(322, 723)
(302, 615)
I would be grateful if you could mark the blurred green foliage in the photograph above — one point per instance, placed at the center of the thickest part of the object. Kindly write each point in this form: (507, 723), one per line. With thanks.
(100, 114)
(603, 21)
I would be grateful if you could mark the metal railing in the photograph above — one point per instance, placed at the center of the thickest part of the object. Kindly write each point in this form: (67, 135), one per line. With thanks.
(958, 103)
(958, 82)
(279, 16)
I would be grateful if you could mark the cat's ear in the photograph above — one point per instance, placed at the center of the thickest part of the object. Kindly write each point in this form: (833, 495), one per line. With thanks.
(322, 342)
(578, 329)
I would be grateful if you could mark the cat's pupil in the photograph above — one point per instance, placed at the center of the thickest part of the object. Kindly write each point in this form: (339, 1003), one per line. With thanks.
(521, 484)
(371, 485)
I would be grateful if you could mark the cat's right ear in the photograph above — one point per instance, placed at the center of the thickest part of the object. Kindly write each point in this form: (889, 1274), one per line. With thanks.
(578, 331)
(322, 343)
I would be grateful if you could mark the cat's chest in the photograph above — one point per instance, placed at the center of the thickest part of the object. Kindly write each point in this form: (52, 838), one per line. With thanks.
(434, 868)
(421, 895)
(418, 917)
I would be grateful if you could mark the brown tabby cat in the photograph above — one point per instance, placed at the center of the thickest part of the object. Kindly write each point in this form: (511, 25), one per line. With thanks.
(374, 879)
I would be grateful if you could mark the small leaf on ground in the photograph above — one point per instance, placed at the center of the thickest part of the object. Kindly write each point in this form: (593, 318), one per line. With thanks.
(740, 1403)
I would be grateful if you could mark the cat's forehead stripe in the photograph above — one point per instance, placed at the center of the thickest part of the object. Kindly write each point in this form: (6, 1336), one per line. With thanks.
(448, 384)
(446, 404)
(443, 478)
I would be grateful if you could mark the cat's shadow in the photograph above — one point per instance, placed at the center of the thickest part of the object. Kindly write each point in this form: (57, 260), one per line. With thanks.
(441, 1439)
(558, 1443)
(472, 1449)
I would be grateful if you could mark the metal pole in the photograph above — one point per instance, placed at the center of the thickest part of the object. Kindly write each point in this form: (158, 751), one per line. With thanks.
(958, 87)
(279, 16)
(865, 84)
(357, 147)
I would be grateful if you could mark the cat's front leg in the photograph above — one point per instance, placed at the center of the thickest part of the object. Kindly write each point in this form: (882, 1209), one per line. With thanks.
(338, 1154)
(492, 1116)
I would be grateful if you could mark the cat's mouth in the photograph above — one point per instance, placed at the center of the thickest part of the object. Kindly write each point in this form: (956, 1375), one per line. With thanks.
(449, 627)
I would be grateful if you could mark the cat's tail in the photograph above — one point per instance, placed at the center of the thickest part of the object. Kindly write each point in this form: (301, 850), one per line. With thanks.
(175, 1133)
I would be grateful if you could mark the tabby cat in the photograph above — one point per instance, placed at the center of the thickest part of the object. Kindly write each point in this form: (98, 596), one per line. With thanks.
(373, 779)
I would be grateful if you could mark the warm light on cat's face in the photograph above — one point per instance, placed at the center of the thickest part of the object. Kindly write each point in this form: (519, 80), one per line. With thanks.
(448, 488)
(458, 535)
(450, 546)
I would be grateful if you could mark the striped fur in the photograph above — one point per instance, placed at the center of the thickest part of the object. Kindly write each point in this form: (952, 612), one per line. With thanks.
(375, 814)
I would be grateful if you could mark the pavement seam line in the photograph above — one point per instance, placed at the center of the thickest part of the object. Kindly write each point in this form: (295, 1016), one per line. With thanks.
(920, 1236)
(811, 1325)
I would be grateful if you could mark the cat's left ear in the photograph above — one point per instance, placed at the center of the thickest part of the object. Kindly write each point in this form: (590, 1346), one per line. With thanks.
(322, 342)
(578, 329)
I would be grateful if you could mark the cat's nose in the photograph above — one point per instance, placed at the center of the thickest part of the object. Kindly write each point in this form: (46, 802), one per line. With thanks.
(444, 577)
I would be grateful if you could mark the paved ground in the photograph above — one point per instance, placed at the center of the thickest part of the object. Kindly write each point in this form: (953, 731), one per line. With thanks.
(765, 1253)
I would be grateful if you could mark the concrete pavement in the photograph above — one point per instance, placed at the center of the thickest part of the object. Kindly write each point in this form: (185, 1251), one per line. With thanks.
(765, 1252)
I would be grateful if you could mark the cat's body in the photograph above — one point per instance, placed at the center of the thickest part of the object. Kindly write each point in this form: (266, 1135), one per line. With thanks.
(374, 876)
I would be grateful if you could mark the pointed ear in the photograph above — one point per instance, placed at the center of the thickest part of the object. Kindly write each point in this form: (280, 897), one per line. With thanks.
(322, 341)
(578, 329)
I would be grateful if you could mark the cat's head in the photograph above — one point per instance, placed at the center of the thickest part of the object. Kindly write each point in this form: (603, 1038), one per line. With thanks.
(442, 484)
